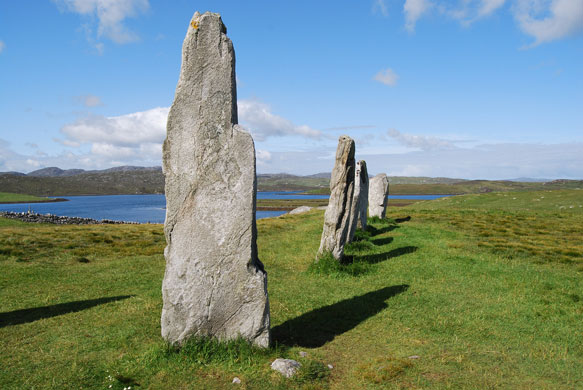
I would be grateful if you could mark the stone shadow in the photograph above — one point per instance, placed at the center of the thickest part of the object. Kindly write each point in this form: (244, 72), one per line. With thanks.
(401, 220)
(377, 258)
(385, 229)
(382, 241)
(320, 326)
(24, 316)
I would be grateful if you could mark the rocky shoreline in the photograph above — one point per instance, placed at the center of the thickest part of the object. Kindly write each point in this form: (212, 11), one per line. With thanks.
(59, 220)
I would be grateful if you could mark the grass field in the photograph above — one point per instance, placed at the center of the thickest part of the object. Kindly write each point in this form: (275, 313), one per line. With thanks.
(471, 292)
(8, 197)
(470, 187)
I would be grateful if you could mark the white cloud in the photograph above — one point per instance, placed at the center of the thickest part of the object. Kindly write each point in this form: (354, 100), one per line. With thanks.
(380, 6)
(544, 20)
(468, 11)
(487, 7)
(96, 142)
(549, 20)
(262, 123)
(387, 77)
(33, 163)
(125, 138)
(111, 15)
(420, 141)
(413, 10)
(124, 130)
(262, 157)
(2, 46)
(89, 100)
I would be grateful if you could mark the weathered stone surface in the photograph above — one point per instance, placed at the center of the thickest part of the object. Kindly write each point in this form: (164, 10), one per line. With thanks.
(377, 195)
(299, 210)
(214, 284)
(363, 197)
(359, 200)
(337, 216)
(287, 367)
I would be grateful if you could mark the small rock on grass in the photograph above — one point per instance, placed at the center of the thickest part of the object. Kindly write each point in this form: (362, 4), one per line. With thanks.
(330, 366)
(287, 367)
(414, 357)
(299, 210)
(303, 354)
(236, 380)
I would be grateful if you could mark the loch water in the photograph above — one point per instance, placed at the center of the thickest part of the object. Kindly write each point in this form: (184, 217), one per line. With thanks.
(145, 208)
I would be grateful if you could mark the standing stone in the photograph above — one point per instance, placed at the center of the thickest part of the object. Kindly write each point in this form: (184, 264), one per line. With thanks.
(337, 217)
(377, 195)
(214, 284)
(363, 198)
(359, 200)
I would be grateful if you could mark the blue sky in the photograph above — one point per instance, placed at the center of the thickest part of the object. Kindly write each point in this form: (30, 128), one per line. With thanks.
(463, 88)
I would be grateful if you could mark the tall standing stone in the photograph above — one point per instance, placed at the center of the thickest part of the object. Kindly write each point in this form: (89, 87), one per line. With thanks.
(378, 193)
(359, 200)
(337, 217)
(214, 284)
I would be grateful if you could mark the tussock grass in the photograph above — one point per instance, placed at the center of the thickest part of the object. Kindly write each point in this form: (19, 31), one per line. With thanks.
(467, 293)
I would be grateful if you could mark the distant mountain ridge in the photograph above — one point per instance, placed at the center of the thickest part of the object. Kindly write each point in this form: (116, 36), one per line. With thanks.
(58, 172)
(54, 181)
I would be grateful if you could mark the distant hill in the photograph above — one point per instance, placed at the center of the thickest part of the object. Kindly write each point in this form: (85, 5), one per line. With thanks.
(529, 180)
(55, 172)
(58, 172)
(422, 180)
(114, 181)
(54, 181)
(321, 175)
(13, 173)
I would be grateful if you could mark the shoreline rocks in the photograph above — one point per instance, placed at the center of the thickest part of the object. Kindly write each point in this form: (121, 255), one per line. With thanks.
(60, 220)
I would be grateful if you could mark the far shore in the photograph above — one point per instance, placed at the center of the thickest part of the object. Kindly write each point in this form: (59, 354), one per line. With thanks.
(48, 200)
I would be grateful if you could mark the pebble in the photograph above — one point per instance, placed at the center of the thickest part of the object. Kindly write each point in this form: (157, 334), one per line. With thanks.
(236, 380)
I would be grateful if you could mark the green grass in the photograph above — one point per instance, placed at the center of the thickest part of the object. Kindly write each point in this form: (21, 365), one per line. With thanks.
(289, 204)
(471, 292)
(8, 197)
(468, 187)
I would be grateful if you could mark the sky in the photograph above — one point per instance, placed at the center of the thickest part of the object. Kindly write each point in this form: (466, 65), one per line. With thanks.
(473, 89)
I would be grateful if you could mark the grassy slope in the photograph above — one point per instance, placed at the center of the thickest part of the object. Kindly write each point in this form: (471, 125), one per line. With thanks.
(7, 197)
(477, 316)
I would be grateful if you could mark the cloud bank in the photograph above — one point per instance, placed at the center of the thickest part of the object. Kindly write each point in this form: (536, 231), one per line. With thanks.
(97, 142)
(262, 123)
(110, 15)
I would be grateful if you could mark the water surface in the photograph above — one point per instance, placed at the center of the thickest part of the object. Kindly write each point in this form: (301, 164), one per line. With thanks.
(146, 208)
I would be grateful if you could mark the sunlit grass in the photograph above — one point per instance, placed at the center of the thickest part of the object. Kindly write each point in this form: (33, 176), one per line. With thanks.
(470, 293)
(7, 197)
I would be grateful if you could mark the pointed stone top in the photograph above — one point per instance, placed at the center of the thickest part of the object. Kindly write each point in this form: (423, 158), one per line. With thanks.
(209, 18)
